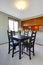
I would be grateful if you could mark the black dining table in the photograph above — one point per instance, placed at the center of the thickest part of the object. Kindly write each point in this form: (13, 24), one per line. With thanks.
(20, 38)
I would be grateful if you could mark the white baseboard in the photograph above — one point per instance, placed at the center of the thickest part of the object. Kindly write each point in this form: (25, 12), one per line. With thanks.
(39, 44)
(3, 43)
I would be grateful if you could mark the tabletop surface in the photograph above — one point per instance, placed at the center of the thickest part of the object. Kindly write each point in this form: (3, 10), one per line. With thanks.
(21, 37)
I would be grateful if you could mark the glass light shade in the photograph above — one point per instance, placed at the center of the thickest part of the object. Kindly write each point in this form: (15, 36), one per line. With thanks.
(21, 4)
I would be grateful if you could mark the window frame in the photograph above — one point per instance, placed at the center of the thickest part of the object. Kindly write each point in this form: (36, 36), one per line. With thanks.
(13, 19)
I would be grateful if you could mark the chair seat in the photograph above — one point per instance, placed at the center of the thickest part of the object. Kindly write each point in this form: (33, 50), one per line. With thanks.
(15, 43)
(26, 44)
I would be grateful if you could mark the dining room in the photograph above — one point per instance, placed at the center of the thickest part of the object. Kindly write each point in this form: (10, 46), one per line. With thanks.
(21, 18)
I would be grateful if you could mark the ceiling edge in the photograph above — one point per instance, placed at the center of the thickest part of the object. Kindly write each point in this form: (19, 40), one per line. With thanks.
(11, 16)
(41, 15)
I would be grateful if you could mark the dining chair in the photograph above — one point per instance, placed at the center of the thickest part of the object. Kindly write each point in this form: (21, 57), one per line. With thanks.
(30, 44)
(12, 43)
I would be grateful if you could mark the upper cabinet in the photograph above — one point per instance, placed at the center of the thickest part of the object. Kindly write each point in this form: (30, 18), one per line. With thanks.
(32, 22)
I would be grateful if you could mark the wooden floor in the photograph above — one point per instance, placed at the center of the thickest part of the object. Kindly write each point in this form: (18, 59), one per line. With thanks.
(6, 59)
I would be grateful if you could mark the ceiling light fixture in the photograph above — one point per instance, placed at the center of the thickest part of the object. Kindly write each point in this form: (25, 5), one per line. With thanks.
(21, 4)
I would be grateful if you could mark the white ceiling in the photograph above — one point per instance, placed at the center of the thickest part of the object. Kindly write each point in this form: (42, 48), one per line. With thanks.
(35, 8)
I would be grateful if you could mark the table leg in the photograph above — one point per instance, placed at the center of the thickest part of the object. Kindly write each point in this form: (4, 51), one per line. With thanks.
(19, 50)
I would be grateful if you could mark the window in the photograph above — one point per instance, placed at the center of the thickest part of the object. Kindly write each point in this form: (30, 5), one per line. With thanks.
(16, 26)
(13, 25)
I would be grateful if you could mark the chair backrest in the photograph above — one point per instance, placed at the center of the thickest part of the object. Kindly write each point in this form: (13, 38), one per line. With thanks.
(33, 37)
(26, 33)
(14, 41)
(9, 34)
(11, 40)
(13, 32)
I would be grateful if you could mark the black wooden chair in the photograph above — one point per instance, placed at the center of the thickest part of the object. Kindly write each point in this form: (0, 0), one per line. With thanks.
(30, 44)
(12, 42)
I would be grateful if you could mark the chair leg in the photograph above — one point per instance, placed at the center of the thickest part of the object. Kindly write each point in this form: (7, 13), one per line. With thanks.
(27, 48)
(13, 52)
(9, 49)
(33, 51)
(29, 54)
(22, 49)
